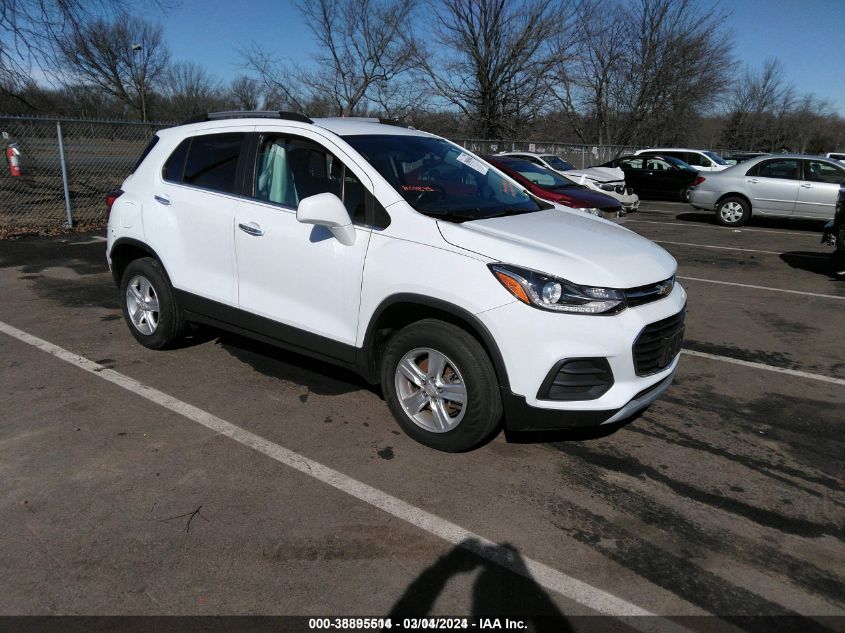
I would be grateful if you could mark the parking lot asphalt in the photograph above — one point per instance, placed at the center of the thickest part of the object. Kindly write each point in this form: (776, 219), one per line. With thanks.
(725, 497)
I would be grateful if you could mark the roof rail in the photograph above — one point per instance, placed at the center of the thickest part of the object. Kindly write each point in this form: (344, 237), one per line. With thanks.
(248, 114)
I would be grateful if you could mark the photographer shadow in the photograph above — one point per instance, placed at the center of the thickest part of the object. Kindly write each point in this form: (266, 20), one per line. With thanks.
(504, 588)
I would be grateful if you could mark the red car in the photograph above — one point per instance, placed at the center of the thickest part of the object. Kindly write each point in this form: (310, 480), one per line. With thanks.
(551, 186)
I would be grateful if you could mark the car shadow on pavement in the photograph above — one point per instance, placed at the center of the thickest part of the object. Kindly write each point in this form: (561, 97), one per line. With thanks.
(811, 262)
(570, 435)
(789, 224)
(503, 588)
(318, 377)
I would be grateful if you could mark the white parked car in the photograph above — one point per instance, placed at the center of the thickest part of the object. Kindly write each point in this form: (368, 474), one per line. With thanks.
(403, 257)
(702, 160)
(836, 156)
(608, 181)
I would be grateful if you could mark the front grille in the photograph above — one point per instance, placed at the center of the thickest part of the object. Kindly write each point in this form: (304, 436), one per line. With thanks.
(658, 344)
(651, 292)
(577, 379)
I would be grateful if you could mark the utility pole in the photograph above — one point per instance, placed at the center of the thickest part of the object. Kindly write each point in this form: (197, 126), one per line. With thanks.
(142, 83)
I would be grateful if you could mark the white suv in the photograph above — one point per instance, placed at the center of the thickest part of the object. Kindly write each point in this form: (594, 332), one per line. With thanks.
(402, 256)
(702, 160)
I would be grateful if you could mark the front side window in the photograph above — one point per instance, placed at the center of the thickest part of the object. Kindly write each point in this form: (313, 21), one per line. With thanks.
(631, 163)
(657, 164)
(786, 168)
(440, 179)
(290, 169)
(819, 171)
(696, 160)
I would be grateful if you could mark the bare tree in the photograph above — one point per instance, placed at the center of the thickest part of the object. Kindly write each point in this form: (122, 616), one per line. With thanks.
(640, 72)
(361, 47)
(489, 58)
(189, 89)
(125, 57)
(245, 93)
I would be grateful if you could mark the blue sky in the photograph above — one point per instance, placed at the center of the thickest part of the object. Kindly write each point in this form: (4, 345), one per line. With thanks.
(805, 35)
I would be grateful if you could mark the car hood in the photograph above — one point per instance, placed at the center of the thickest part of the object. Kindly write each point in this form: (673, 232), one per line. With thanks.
(569, 244)
(601, 174)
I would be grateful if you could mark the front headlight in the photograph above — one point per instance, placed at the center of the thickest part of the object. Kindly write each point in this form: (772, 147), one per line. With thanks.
(555, 294)
(607, 215)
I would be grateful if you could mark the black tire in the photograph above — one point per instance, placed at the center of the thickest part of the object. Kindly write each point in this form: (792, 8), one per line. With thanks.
(169, 322)
(726, 211)
(482, 410)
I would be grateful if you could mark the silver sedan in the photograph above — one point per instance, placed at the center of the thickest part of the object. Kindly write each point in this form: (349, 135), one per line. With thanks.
(785, 185)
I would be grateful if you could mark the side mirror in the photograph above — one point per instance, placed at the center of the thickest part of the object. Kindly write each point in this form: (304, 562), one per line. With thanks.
(326, 209)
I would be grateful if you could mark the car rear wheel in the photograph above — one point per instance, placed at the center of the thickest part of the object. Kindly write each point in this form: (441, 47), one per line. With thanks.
(732, 211)
(149, 306)
(440, 386)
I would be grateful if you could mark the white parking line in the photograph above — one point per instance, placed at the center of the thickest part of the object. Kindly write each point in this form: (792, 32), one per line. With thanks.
(744, 250)
(780, 370)
(732, 283)
(552, 579)
(722, 228)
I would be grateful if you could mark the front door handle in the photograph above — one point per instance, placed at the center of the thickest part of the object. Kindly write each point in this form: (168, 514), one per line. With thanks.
(162, 200)
(806, 185)
(251, 228)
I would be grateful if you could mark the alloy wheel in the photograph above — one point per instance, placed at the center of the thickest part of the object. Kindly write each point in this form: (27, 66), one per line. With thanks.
(431, 390)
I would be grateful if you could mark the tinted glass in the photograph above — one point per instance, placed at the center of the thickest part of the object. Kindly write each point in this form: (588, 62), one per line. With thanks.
(175, 165)
(213, 162)
(558, 163)
(440, 179)
(290, 169)
(146, 151)
(691, 158)
(787, 168)
(819, 171)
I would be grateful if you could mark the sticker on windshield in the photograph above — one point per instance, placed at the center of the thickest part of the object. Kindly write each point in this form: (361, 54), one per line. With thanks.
(473, 163)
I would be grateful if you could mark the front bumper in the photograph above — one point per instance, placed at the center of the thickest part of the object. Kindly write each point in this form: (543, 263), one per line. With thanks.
(532, 341)
(519, 416)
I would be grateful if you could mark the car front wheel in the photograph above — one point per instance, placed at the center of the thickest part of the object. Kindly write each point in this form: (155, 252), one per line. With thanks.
(732, 211)
(440, 386)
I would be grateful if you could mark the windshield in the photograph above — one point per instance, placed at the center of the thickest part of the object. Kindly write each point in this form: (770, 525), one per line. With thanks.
(716, 158)
(439, 179)
(558, 163)
(540, 176)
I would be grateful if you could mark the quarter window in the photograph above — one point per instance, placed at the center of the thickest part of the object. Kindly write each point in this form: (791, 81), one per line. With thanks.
(290, 169)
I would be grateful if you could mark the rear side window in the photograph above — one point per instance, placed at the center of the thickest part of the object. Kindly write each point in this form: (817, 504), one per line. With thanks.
(146, 151)
(212, 162)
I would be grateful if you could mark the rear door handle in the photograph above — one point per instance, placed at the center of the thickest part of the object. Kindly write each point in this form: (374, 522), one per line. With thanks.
(753, 180)
(251, 228)
(806, 185)
(162, 200)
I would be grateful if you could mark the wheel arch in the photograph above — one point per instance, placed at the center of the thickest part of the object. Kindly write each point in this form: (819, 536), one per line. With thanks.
(400, 310)
(125, 250)
(735, 195)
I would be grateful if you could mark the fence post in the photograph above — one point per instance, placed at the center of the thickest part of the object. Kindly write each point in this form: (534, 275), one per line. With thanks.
(583, 157)
(64, 175)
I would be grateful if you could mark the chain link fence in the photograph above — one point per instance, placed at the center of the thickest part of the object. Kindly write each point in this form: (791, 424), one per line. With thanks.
(66, 168)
